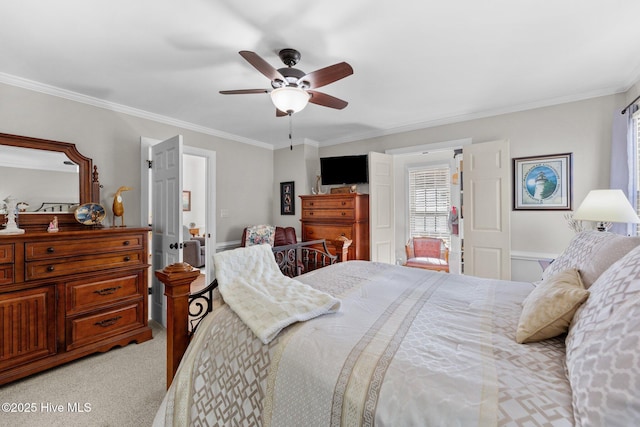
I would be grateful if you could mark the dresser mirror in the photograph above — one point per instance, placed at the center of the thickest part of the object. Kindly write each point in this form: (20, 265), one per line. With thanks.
(50, 177)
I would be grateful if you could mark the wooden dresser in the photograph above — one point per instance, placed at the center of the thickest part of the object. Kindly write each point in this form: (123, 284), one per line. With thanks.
(68, 294)
(329, 216)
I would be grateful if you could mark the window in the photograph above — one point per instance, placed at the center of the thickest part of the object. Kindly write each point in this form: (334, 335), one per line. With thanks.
(430, 201)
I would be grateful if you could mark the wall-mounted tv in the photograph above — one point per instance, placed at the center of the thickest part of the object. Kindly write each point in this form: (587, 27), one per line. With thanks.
(344, 170)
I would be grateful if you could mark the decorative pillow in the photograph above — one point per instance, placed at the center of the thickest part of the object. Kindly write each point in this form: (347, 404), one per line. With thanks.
(603, 347)
(591, 252)
(260, 234)
(549, 308)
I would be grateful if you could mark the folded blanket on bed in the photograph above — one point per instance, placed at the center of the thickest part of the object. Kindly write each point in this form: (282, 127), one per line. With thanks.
(265, 299)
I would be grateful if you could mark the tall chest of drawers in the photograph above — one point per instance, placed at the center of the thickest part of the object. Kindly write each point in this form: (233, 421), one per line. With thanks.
(330, 216)
(68, 294)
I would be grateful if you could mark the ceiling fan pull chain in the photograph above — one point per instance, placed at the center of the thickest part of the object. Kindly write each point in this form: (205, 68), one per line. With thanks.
(290, 131)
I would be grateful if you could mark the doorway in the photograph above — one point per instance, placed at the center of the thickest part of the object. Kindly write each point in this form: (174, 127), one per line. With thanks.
(196, 214)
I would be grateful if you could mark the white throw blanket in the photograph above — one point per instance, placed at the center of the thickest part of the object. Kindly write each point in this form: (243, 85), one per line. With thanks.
(265, 299)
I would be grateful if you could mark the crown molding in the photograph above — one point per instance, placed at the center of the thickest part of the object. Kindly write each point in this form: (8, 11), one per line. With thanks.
(119, 108)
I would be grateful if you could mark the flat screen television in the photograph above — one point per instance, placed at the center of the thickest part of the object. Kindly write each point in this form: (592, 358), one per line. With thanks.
(344, 170)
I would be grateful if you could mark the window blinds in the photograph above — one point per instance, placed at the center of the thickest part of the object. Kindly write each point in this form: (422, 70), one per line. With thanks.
(429, 202)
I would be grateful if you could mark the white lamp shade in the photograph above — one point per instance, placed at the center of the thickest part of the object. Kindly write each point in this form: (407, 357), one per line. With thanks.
(289, 99)
(606, 206)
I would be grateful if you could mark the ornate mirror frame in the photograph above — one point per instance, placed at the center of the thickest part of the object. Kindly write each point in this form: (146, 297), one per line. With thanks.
(87, 185)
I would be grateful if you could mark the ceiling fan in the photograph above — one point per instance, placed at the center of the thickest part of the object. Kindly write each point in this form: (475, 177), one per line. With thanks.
(292, 88)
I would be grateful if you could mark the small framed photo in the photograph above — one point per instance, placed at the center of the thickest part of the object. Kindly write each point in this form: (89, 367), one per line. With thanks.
(186, 200)
(287, 198)
(543, 182)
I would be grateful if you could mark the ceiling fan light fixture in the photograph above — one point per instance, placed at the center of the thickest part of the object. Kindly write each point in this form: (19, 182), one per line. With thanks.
(289, 99)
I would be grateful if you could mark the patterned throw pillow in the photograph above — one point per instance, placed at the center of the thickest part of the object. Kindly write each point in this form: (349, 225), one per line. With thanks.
(260, 234)
(549, 308)
(591, 252)
(603, 348)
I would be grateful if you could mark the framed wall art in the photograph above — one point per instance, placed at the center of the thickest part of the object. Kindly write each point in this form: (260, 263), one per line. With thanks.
(543, 182)
(186, 200)
(287, 198)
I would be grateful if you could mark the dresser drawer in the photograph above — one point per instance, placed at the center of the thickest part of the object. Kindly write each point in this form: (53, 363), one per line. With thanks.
(328, 203)
(83, 295)
(336, 214)
(88, 329)
(60, 267)
(77, 247)
(6, 253)
(327, 232)
(7, 276)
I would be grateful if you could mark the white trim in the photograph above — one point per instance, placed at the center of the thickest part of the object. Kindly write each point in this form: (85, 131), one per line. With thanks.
(430, 148)
(119, 108)
(473, 116)
(532, 256)
(224, 246)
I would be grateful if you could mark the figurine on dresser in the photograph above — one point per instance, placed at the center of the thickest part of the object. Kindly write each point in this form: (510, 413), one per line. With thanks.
(11, 227)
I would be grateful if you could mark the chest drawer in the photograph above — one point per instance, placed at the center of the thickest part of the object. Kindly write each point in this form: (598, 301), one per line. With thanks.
(83, 330)
(327, 232)
(6, 253)
(61, 267)
(336, 214)
(6, 274)
(328, 203)
(82, 295)
(78, 247)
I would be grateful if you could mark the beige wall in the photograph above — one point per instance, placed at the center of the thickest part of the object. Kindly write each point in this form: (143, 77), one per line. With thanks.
(583, 128)
(248, 176)
(244, 173)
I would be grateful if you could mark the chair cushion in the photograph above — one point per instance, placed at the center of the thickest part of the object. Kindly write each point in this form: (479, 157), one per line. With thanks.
(427, 263)
(426, 247)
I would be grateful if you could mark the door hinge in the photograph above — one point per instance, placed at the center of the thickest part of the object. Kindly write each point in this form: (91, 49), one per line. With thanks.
(150, 163)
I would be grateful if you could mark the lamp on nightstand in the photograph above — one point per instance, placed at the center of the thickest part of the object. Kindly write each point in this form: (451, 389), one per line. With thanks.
(606, 207)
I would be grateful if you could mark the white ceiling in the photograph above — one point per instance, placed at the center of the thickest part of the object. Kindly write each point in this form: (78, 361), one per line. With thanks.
(416, 63)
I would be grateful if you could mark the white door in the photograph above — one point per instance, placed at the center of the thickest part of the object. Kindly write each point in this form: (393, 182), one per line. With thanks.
(166, 189)
(486, 185)
(381, 208)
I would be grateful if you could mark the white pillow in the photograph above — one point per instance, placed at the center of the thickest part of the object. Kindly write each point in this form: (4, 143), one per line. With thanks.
(591, 252)
(603, 348)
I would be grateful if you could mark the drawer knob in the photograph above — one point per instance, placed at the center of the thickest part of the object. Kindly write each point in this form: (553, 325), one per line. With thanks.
(50, 249)
(344, 203)
(50, 268)
(108, 322)
(126, 243)
(107, 291)
(343, 213)
(310, 213)
(127, 258)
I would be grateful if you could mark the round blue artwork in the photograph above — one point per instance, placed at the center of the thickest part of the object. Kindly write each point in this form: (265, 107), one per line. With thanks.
(541, 182)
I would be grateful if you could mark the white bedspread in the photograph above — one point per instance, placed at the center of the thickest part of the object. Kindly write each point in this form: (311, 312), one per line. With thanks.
(265, 299)
(407, 348)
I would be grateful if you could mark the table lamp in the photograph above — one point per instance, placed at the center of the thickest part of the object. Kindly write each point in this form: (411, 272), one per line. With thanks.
(606, 207)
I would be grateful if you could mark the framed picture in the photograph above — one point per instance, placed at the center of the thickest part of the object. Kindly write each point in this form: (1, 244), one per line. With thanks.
(287, 198)
(186, 200)
(542, 182)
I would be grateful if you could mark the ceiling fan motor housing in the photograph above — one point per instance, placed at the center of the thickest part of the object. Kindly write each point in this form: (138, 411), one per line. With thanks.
(292, 77)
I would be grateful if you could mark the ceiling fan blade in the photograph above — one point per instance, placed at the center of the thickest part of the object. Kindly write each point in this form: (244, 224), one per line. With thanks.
(261, 65)
(243, 91)
(325, 100)
(280, 113)
(327, 75)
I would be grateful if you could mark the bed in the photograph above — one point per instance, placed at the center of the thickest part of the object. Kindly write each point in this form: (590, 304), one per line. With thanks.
(413, 347)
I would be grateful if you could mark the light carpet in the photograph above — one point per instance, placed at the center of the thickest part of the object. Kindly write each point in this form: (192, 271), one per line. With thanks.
(120, 388)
